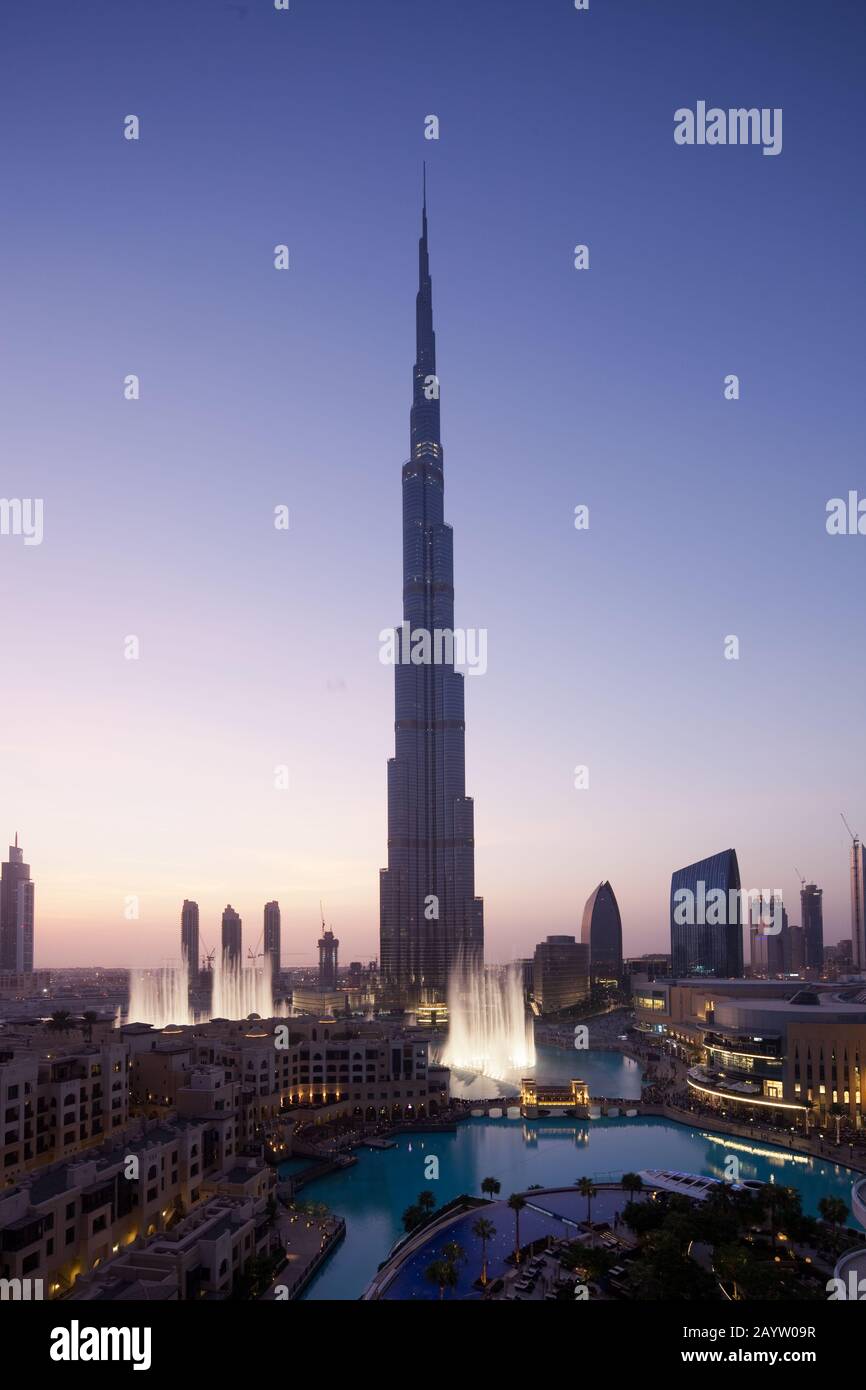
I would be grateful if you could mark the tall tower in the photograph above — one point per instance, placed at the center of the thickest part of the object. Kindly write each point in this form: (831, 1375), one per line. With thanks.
(189, 936)
(328, 948)
(858, 905)
(812, 918)
(231, 937)
(706, 918)
(429, 916)
(16, 913)
(272, 947)
(769, 938)
(601, 931)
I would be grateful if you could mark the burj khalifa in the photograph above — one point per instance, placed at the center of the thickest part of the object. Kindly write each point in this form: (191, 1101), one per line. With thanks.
(430, 921)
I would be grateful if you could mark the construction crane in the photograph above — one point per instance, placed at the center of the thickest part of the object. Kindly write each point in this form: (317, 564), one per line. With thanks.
(800, 877)
(855, 839)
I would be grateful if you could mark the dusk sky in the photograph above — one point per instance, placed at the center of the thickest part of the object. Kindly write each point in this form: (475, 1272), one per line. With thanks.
(259, 648)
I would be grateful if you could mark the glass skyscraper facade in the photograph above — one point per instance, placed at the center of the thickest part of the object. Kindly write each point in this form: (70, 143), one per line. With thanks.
(812, 917)
(272, 936)
(429, 917)
(231, 936)
(189, 935)
(601, 931)
(709, 939)
(17, 894)
(858, 905)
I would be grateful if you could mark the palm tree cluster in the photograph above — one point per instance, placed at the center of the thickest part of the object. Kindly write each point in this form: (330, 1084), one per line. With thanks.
(420, 1210)
(444, 1272)
(752, 1237)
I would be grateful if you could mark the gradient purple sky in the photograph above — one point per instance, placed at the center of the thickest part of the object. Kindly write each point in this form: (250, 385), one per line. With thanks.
(260, 647)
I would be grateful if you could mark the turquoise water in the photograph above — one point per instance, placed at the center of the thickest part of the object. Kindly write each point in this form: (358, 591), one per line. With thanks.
(374, 1193)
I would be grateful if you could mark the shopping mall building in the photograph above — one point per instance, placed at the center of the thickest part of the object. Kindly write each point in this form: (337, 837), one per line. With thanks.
(766, 1046)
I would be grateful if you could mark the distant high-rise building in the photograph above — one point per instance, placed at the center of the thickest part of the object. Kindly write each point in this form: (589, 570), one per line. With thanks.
(858, 906)
(601, 931)
(768, 937)
(16, 913)
(272, 945)
(231, 936)
(189, 935)
(430, 920)
(795, 951)
(560, 975)
(706, 918)
(328, 946)
(812, 918)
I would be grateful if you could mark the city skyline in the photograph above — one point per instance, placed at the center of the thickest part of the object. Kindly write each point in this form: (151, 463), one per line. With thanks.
(605, 646)
(758, 908)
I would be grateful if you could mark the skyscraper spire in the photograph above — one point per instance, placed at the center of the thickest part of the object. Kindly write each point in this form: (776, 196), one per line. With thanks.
(431, 922)
(424, 421)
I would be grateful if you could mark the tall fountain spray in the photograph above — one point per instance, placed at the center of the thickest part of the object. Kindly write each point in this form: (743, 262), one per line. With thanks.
(238, 992)
(160, 996)
(489, 1030)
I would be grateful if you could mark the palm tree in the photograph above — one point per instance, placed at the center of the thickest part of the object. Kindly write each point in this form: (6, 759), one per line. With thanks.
(88, 1019)
(454, 1254)
(443, 1274)
(731, 1262)
(586, 1189)
(59, 1021)
(632, 1183)
(833, 1210)
(783, 1203)
(412, 1217)
(492, 1186)
(837, 1112)
(483, 1230)
(426, 1201)
(516, 1203)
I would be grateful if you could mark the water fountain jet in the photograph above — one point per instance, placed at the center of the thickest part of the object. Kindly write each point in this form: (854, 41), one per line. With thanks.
(489, 1030)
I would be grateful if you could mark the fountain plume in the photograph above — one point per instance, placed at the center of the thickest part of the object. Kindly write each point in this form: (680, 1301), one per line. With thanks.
(160, 996)
(238, 992)
(489, 1030)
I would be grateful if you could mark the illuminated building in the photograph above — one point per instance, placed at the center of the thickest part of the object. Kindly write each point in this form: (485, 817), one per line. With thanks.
(601, 931)
(706, 918)
(430, 918)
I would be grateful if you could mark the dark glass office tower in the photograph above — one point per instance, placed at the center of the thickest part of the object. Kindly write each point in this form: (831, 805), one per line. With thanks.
(189, 936)
(17, 893)
(272, 945)
(328, 953)
(708, 940)
(812, 917)
(231, 936)
(429, 917)
(601, 931)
